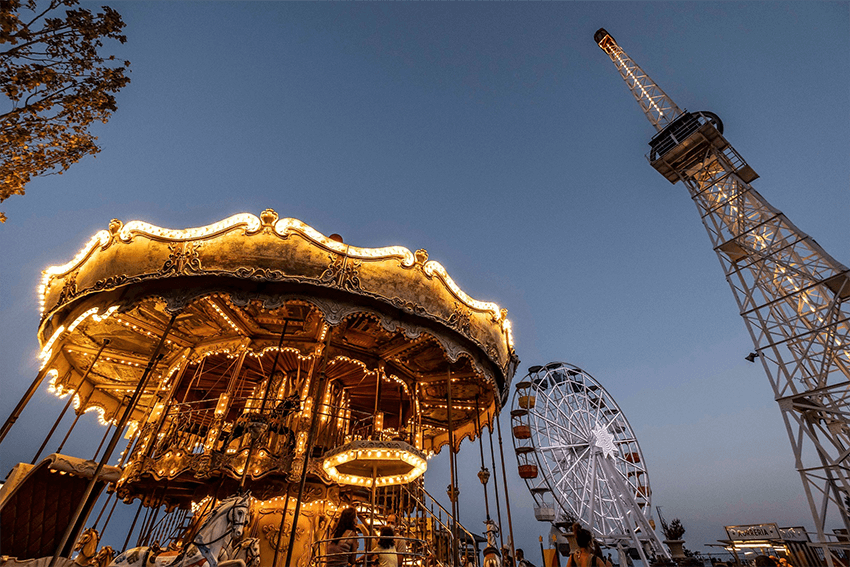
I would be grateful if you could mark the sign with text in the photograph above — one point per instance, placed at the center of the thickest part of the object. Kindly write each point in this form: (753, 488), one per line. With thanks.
(755, 531)
(794, 534)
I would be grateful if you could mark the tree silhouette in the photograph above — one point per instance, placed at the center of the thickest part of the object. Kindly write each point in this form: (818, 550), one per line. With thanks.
(57, 82)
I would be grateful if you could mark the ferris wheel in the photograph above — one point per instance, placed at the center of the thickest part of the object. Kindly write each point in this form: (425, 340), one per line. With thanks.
(580, 458)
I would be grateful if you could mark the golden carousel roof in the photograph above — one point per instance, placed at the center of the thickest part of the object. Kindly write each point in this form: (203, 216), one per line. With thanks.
(238, 286)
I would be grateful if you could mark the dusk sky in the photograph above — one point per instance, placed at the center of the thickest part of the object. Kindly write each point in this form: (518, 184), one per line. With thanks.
(500, 138)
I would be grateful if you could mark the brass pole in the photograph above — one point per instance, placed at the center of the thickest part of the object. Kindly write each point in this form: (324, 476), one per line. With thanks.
(495, 482)
(286, 504)
(83, 505)
(132, 527)
(454, 494)
(13, 417)
(372, 511)
(103, 509)
(280, 530)
(482, 478)
(68, 403)
(166, 407)
(74, 423)
(308, 449)
(105, 435)
(505, 483)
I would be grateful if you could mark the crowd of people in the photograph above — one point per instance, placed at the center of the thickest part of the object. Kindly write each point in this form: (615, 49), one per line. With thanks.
(389, 550)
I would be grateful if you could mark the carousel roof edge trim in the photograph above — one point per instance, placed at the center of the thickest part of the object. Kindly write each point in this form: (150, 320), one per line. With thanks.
(284, 227)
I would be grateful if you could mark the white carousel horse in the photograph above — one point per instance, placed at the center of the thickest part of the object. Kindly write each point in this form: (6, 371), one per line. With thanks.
(244, 553)
(224, 524)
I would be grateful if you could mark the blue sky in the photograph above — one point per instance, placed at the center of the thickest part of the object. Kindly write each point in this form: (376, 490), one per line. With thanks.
(499, 137)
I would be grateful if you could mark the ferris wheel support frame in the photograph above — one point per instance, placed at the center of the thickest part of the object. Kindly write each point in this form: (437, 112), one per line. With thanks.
(640, 519)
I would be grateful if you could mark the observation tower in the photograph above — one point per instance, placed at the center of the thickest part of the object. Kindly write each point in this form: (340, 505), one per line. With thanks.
(792, 295)
(257, 355)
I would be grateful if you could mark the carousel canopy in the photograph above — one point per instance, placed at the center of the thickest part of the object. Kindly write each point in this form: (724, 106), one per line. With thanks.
(252, 296)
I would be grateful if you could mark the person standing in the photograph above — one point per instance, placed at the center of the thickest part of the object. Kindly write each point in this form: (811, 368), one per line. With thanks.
(521, 561)
(400, 543)
(385, 551)
(342, 549)
(586, 555)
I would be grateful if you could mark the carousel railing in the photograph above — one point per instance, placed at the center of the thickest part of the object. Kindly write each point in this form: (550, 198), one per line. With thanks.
(412, 552)
(466, 545)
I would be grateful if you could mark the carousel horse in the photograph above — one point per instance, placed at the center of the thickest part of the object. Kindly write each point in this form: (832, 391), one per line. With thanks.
(103, 557)
(244, 553)
(224, 524)
(87, 547)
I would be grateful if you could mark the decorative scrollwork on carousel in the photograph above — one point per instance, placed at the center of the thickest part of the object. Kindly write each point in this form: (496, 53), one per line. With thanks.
(342, 272)
(460, 318)
(69, 288)
(184, 258)
(264, 274)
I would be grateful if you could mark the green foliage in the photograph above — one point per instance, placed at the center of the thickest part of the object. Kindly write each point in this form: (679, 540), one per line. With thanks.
(674, 530)
(58, 83)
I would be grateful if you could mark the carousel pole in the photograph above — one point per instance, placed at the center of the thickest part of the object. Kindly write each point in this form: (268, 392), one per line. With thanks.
(132, 526)
(453, 492)
(25, 399)
(166, 407)
(83, 507)
(280, 529)
(505, 483)
(495, 482)
(483, 474)
(286, 504)
(74, 423)
(308, 448)
(105, 435)
(375, 435)
(68, 403)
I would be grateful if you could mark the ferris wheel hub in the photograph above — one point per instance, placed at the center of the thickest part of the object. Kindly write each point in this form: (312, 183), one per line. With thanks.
(604, 440)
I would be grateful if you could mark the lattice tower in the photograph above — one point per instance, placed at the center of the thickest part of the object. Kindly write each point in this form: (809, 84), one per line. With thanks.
(791, 293)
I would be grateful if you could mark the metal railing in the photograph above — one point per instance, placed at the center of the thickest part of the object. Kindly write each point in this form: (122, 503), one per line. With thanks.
(411, 552)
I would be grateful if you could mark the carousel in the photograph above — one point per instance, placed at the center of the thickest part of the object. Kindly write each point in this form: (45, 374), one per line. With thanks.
(255, 378)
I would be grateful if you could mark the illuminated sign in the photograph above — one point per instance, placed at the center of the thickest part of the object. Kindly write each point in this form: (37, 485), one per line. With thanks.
(794, 534)
(756, 531)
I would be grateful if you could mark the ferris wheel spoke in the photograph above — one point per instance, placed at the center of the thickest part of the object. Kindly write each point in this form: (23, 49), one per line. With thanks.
(567, 472)
(552, 448)
(565, 417)
(551, 421)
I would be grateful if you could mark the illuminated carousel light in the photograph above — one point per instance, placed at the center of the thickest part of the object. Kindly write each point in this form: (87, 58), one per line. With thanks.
(391, 462)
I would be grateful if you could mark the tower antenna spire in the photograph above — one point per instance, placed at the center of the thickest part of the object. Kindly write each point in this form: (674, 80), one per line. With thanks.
(656, 105)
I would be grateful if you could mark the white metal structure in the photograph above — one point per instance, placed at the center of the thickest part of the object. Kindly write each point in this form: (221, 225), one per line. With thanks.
(790, 292)
(575, 446)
